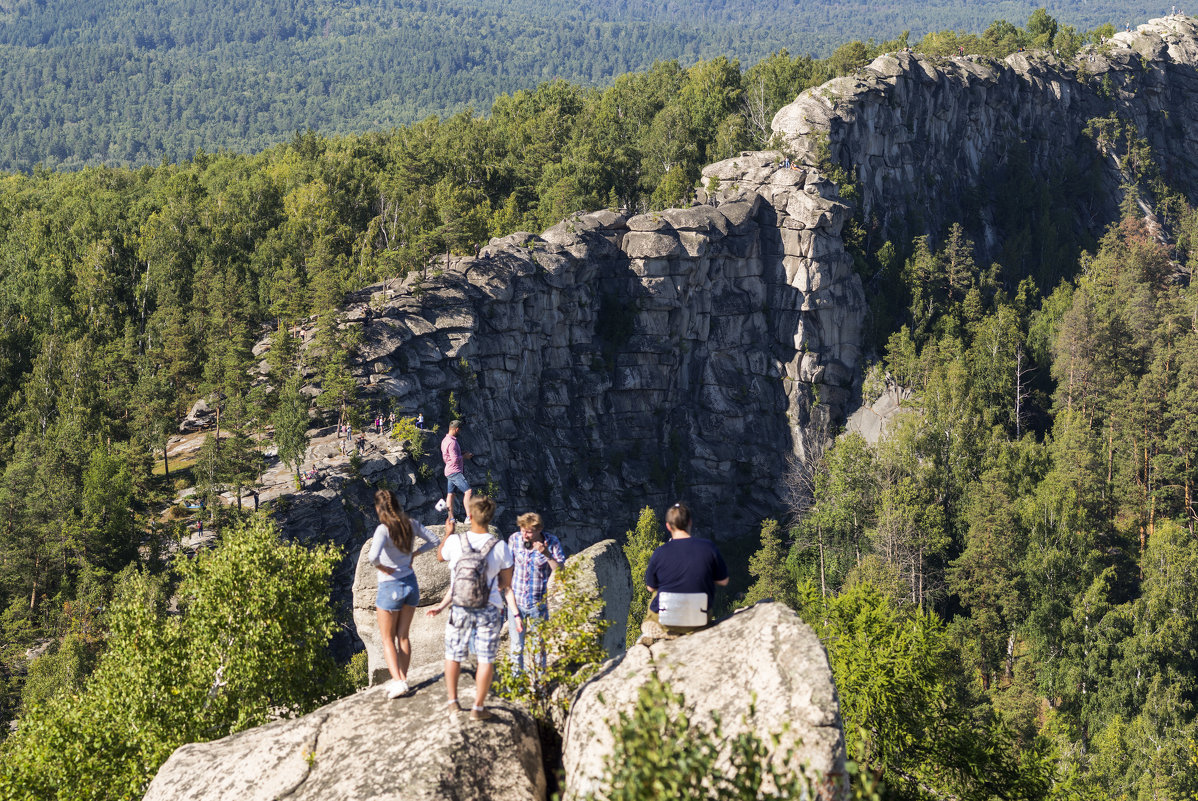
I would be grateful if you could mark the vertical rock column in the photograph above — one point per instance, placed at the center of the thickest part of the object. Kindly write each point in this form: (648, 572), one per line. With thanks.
(816, 299)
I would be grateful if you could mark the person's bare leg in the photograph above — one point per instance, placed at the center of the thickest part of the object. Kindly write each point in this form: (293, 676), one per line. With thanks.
(466, 501)
(452, 671)
(482, 683)
(387, 622)
(449, 503)
(403, 624)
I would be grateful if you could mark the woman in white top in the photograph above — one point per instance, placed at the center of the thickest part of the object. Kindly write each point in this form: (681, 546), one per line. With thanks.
(391, 553)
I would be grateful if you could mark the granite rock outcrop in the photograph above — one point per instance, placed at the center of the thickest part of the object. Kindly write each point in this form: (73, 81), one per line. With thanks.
(617, 361)
(613, 362)
(366, 747)
(765, 653)
(923, 134)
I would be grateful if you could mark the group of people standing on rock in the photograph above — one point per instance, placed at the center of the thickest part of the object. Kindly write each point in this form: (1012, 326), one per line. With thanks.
(490, 576)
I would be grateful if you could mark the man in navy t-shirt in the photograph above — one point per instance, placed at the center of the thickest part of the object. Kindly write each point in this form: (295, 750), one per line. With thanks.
(684, 567)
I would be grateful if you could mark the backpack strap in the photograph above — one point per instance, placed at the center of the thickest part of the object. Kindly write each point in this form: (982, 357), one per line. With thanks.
(486, 552)
(464, 535)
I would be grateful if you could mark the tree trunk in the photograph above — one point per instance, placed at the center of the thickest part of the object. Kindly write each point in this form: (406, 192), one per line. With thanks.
(823, 587)
(33, 594)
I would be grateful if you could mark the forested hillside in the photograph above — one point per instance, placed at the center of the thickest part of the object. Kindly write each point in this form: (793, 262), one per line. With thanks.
(134, 82)
(1006, 584)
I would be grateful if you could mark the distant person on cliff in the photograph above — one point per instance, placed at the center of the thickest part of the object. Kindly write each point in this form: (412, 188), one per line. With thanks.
(682, 575)
(535, 557)
(455, 471)
(480, 578)
(391, 553)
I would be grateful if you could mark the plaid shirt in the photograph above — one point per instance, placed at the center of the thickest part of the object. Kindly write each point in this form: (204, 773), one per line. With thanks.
(531, 571)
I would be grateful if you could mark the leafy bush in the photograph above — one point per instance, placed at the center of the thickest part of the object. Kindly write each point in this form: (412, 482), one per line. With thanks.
(405, 429)
(572, 643)
(638, 547)
(247, 646)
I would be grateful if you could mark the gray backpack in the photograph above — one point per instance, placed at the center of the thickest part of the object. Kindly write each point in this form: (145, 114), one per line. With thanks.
(471, 590)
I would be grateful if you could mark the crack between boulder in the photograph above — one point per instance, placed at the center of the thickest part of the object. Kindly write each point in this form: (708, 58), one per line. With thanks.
(309, 761)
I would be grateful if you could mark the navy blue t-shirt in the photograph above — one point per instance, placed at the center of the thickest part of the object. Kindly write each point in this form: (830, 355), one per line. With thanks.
(685, 565)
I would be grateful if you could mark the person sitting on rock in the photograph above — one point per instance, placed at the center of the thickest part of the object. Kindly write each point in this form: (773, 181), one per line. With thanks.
(535, 557)
(391, 553)
(682, 575)
(480, 571)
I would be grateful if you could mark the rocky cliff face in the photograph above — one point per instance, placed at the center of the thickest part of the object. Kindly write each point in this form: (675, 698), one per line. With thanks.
(925, 135)
(613, 362)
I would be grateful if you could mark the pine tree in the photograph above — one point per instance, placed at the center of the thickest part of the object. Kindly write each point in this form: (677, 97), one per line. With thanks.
(291, 425)
(768, 568)
(638, 547)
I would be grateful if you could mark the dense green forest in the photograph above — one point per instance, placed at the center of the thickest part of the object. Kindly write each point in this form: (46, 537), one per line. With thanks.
(133, 82)
(1006, 584)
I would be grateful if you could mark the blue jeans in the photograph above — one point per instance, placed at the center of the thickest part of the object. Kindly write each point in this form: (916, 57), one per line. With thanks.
(396, 593)
(456, 483)
(527, 615)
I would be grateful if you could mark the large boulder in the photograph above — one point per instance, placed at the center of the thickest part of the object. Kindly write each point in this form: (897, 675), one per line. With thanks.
(764, 655)
(367, 747)
(605, 573)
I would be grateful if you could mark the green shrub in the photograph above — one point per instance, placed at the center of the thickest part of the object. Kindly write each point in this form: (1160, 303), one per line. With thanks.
(405, 429)
(638, 547)
(248, 645)
(572, 641)
(357, 672)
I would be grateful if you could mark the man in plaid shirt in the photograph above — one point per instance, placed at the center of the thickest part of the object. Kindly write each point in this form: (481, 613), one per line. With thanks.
(535, 556)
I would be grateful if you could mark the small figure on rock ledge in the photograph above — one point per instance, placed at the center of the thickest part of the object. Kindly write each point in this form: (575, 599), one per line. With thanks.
(455, 470)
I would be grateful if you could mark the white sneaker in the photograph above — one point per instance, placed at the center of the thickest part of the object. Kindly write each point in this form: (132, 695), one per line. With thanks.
(397, 688)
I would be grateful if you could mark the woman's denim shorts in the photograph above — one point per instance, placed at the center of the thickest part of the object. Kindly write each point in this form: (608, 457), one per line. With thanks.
(395, 593)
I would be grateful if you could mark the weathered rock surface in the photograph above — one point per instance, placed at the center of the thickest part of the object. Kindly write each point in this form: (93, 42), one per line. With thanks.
(367, 747)
(198, 418)
(764, 650)
(604, 573)
(931, 133)
(872, 420)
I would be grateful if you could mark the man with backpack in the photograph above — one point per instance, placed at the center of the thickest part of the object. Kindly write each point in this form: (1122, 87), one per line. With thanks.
(480, 578)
